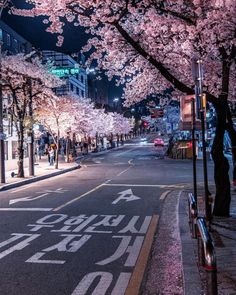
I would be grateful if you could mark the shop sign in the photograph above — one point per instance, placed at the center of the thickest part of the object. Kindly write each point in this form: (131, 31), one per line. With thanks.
(186, 113)
(62, 72)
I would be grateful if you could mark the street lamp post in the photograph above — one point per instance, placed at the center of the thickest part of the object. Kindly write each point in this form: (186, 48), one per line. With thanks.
(202, 110)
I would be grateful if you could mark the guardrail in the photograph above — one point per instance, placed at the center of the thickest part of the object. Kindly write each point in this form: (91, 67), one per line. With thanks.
(192, 215)
(207, 257)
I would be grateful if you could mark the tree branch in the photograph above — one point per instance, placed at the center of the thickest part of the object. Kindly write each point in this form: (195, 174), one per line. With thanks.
(159, 66)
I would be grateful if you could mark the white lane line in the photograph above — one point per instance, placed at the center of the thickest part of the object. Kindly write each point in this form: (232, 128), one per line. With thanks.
(108, 180)
(123, 171)
(26, 209)
(77, 198)
(144, 185)
(117, 155)
(130, 162)
(163, 195)
(140, 144)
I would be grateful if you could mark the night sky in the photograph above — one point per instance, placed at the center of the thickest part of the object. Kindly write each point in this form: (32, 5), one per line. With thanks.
(33, 30)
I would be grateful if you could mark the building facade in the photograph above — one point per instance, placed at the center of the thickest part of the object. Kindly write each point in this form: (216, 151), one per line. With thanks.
(69, 70)
(11, 43)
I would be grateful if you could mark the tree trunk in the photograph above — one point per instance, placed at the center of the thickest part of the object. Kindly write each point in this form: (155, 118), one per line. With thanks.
(56, 158)
(232, 136)
(221, 169)
(57, 150)
(20, 150)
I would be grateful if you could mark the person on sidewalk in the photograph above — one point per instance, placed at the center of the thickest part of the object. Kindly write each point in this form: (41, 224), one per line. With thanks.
(51, 156)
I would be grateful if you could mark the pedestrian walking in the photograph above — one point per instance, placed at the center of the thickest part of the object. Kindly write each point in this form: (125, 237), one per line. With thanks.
(51, 156)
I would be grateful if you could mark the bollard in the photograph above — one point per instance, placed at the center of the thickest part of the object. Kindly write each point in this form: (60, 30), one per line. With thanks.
(201, 260)
(192, 215)
(211, 281)
(207, 257)
(13, 174)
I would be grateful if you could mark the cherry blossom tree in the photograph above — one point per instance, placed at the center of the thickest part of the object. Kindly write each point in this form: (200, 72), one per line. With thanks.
(121, 125)
(3, 4)
(63, 114)
(58, 116)
(150, 44)
(24, 80)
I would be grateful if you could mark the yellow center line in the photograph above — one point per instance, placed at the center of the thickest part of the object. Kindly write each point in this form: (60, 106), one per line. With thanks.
(77, 198)
(138, 273)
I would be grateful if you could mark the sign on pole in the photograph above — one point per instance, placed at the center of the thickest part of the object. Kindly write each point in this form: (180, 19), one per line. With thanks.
(186, 113)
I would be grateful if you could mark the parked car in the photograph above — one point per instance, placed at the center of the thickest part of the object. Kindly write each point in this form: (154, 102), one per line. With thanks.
(158, 142)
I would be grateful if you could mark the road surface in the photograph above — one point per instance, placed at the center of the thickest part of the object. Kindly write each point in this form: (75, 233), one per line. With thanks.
(89, 231)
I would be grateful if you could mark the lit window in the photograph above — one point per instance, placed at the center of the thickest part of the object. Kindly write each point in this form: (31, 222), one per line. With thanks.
(15, 43)
(8, 40)
(0, 34)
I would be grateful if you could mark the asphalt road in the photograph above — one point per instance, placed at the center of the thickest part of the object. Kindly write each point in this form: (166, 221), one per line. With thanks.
(88, 231)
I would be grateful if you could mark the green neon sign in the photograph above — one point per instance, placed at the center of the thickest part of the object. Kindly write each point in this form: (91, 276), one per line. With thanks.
(62, 72)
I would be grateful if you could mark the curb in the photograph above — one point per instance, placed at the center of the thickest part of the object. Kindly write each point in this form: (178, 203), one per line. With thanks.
(191, 276)
(37, 178)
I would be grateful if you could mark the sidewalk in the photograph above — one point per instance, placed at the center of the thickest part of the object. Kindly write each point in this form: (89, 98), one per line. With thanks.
(223, 233)
(42, 170)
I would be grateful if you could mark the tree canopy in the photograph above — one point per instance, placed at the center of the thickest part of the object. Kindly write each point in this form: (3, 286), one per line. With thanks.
(150, 44)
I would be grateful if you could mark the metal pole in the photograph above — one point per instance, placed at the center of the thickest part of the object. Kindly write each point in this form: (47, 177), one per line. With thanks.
(67, 149)
(30, 134)
(206, 190)
(2, 153)
(194, 151)
(202, 117)
(31, 152)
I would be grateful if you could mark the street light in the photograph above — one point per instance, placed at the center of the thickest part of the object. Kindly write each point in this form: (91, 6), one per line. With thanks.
(201, 111)
(115, 102)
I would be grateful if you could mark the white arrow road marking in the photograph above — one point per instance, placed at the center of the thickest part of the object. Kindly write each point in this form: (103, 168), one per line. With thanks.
(43, 194)
(26, 199)
(126, 195)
